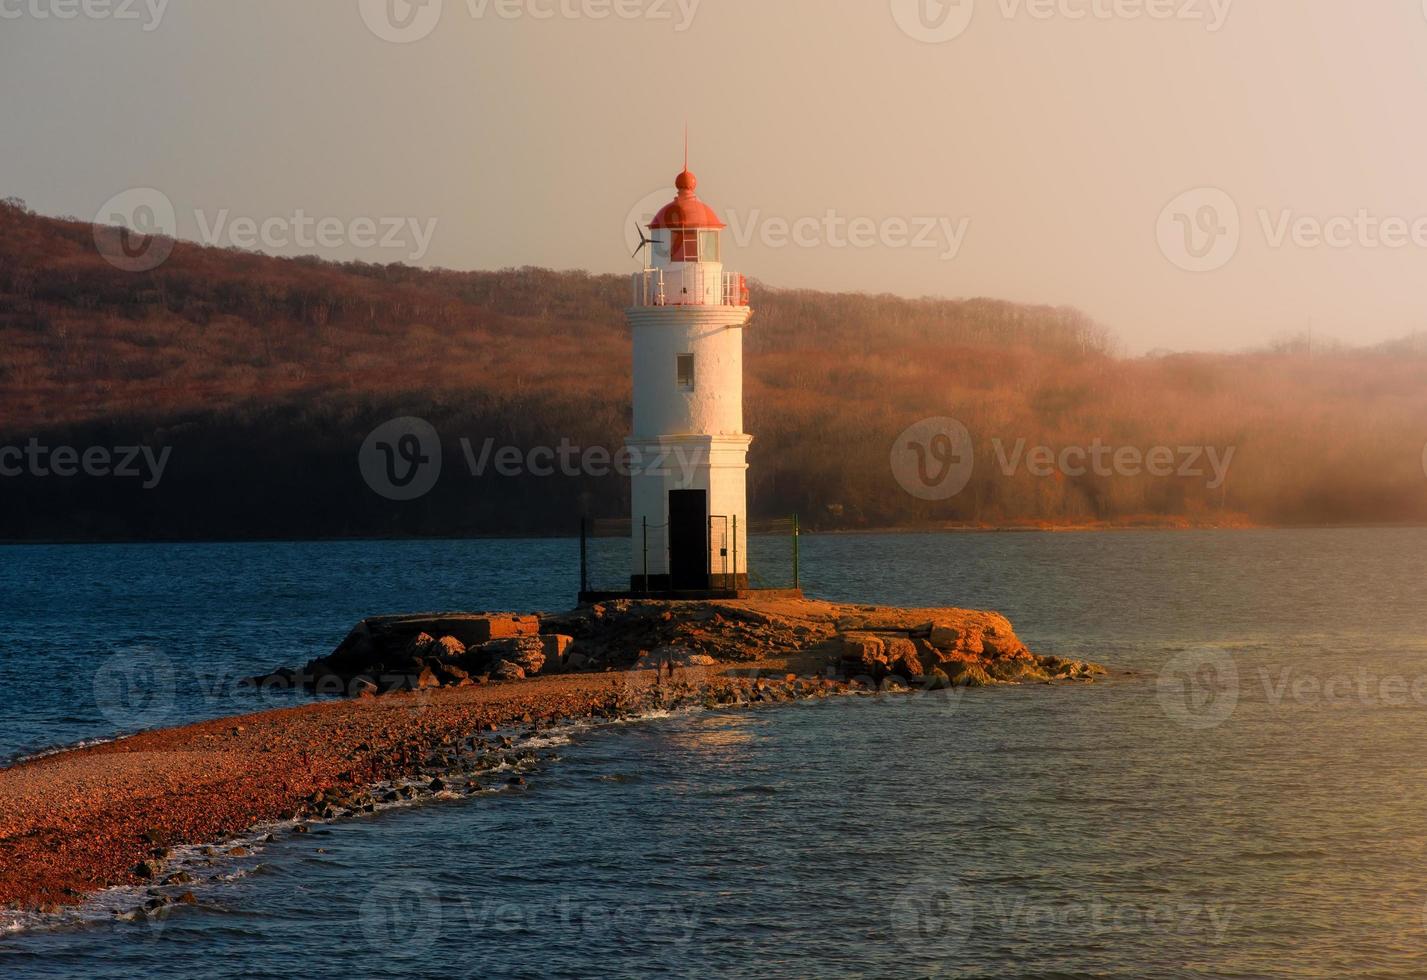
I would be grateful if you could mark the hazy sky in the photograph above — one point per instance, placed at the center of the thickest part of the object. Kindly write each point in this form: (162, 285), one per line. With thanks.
(1042, 153)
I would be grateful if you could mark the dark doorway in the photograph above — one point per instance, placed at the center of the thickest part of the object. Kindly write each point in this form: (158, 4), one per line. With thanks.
(688, 539)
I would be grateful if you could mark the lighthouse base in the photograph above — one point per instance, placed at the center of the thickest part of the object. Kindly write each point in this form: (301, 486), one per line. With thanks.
(689, 512)
(726, 585)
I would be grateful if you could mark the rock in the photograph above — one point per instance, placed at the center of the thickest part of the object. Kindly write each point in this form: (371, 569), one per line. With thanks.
(147, 870)
(419, 646)
(449, 646)
(964, 674)
(681, 657)
(556, 645)
(863, 653)
(526, 652)
(451, 675)
(437, 785)
(576, 661)
(944, 637)
(187, 898)
(1017, 672)
(426, 679)
(363, 687)
(506, 671)
(902, 658)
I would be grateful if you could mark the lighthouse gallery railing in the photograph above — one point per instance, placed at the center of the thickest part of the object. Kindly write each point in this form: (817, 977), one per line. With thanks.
(692, 286)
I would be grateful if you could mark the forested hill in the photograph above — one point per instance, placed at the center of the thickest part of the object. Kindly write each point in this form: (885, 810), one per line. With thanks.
(260, 379)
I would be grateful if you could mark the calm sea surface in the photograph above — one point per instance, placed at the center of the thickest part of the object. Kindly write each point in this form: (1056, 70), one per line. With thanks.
(1248, 797)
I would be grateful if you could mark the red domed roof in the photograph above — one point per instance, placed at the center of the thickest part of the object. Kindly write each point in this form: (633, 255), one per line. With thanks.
(686, 210)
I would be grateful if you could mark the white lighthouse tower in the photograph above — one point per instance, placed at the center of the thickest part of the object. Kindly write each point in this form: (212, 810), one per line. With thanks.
(688, 449)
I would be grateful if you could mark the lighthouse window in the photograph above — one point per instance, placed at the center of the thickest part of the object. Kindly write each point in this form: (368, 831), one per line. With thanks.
(686, 371)
(686, 246)
(708, 246)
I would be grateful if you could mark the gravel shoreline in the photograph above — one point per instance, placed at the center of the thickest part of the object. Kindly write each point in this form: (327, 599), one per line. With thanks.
(78, 821)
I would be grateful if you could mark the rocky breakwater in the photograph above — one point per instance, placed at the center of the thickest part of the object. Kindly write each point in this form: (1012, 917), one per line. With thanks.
(389, 654)
(936, 647)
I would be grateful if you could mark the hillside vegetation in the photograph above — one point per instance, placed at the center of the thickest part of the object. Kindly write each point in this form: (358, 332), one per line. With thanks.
(263, 377)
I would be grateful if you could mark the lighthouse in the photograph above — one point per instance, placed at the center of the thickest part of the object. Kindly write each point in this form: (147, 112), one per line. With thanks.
(688, 451)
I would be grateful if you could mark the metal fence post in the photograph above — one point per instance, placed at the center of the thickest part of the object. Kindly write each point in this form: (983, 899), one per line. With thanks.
(796, 553)
(584, 558)
(735, 552)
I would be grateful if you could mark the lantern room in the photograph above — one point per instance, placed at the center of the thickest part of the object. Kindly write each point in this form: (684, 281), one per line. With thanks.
(686, 229)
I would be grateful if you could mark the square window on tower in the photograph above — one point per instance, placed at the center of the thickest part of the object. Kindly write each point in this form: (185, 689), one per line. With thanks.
(686, 371)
